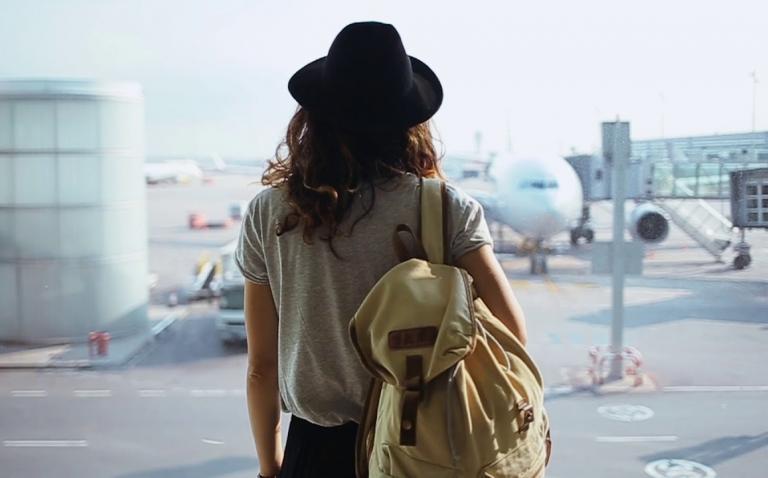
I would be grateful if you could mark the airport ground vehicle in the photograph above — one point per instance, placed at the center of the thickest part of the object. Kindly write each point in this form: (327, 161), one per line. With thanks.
(230, 318)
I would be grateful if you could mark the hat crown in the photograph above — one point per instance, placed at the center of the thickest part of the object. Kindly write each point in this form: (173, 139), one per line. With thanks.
(368, 60)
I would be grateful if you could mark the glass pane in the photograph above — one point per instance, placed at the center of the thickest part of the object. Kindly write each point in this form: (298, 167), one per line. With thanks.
(7, 241)
(662, 179)
(6, 126)
(710, 180)
(9, 320)
(34, 125)
(36, 233)
(78, 125)
(79, 179)
(6, 180)
(685, 179)
(41, 301)
(121, 126)
(122, 178)
(76, 220)
(35, 179)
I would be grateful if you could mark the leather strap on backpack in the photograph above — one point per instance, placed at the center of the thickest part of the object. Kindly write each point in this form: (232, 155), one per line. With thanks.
(414, 389)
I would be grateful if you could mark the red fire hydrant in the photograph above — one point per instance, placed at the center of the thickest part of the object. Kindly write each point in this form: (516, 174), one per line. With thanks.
(98, 343)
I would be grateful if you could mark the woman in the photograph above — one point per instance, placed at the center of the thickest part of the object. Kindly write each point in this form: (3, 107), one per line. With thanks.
(318, 238)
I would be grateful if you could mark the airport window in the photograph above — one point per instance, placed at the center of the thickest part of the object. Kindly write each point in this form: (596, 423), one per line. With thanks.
(121, 208)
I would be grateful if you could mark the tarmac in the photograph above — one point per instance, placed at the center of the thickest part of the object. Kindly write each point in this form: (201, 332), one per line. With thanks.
(694, 407)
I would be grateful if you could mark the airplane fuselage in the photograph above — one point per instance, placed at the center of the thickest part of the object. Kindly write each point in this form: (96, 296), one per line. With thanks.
(536, 198)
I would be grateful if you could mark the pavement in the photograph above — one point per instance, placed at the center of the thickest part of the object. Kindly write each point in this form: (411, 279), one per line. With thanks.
(697, 408)
(120, 349)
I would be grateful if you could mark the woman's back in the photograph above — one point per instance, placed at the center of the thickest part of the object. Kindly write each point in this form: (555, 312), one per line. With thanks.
(316, 293)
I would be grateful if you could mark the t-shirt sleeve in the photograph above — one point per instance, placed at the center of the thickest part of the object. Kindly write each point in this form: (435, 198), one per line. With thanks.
(466, 223)
(249, 252)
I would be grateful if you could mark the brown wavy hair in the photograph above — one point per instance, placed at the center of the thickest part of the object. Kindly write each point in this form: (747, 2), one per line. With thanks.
(323, 168)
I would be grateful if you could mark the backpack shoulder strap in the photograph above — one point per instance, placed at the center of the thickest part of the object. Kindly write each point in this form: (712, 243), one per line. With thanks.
(434, 213)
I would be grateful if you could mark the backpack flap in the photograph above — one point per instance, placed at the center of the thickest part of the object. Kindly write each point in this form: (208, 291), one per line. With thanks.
(416, 309)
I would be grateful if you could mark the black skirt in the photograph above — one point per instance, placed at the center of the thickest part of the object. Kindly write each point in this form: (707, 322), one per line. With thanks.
(316, 451)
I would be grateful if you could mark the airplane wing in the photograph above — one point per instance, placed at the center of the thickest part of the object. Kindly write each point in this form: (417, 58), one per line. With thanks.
(482, 192)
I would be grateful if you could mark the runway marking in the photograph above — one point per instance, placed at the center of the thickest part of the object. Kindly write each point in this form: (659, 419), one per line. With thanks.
(92, 393)
(212, 442)
(625, 412)
(636, 439)
(678, 469)
(717, 388)
(45, 443)
(29, 393)
(204, 393)
(151, 393)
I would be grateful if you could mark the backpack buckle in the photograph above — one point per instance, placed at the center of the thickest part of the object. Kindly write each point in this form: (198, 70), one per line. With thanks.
(526, 415)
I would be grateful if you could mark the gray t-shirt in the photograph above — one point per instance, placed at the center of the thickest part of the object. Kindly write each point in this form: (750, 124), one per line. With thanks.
(316, 294)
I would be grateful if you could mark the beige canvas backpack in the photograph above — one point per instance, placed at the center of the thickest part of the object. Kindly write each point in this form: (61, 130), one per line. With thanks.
(453, 393)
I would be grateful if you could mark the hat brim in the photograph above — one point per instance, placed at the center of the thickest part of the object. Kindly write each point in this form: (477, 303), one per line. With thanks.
(421, 102)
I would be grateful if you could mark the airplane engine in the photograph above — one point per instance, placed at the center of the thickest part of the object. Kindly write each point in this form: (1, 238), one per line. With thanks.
(649, 223)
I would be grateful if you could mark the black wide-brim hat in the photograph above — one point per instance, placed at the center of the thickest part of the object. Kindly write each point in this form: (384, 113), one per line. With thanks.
(367, 81)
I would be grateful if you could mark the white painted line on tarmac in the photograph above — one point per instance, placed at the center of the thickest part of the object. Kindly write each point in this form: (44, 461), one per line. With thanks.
(29, 393)
(636, 439)
(45, 443)
(167, 321)
(205, 393)
(625, 412)
(212, 442)
(671, 468)
(92, 393)
(152, 393)
(717, 388)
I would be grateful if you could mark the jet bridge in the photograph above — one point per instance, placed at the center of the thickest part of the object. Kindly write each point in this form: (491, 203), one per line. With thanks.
(677, 176)
(749, 207)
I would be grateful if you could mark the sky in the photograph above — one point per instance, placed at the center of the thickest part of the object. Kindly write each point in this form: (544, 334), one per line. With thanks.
(534, 78)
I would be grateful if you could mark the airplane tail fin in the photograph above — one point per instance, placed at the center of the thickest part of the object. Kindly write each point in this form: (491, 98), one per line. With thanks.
(218, 161)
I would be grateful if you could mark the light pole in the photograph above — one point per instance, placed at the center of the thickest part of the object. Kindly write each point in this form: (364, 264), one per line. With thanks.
(616, 147)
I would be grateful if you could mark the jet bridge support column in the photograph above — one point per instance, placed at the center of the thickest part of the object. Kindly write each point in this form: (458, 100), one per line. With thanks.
(616, 148)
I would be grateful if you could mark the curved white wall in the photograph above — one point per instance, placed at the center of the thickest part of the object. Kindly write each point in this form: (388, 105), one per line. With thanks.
(73, 241)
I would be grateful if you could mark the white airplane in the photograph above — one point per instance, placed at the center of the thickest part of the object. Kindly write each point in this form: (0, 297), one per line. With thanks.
(177, 171)
(536, 198)
(540, 198)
